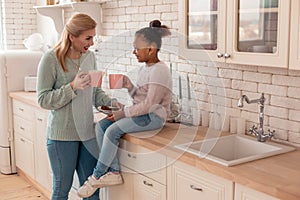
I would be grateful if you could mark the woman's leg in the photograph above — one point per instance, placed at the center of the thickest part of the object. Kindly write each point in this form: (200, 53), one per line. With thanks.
(63, 159)
(86, 163)
(115, 131)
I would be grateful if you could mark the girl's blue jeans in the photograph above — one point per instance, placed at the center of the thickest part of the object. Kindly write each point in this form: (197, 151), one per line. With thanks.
(108, 135)
(66, 157)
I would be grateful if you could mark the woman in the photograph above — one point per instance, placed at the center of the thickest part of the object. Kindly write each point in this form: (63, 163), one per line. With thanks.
(151, 97)
(64, 88)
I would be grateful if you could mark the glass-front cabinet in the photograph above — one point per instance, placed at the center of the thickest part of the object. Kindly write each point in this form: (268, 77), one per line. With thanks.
(252, 32)
(295, 36)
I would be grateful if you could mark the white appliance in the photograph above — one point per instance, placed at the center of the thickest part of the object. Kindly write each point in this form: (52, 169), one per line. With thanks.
(14, 66)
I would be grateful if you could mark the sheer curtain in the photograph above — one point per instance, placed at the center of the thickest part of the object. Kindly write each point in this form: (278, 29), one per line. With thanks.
(1, 24)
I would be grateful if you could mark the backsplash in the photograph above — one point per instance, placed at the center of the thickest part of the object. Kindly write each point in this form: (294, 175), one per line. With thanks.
(215, 87)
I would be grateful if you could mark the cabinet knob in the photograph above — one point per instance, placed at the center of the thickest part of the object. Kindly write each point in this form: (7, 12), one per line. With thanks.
(227, 55)
(196, 188)
(21, 109)
(220, 55)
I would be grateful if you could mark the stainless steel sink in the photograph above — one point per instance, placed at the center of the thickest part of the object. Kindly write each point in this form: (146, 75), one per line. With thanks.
(234, 149)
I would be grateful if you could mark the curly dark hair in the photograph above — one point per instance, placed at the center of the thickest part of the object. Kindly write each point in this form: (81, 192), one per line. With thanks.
(154, 32)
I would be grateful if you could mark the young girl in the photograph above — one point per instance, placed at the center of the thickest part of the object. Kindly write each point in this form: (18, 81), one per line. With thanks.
(151, 101)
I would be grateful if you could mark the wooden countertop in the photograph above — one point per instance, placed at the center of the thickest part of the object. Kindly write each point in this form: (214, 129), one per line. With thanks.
(278, 176)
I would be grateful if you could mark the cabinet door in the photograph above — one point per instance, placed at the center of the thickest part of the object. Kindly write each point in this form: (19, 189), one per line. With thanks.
(42, 164)
(203, 29)
(148, 189)
(144, 161)
(258, 32)
(295, 36)
(244, 193)
(24, 154)
(186, 182)
(124, 191)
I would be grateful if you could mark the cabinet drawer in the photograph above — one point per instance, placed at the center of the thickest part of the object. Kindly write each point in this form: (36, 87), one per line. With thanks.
(146, 188)
(144, 161)
(187, 182)
(23, 110)
(24, 150)
(24, 127)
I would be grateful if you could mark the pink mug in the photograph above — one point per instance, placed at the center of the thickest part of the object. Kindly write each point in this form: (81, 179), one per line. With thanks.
(96, 78)
(116, 81)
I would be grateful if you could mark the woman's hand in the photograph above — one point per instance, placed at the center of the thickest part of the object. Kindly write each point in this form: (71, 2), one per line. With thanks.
(81, 81)
(117, 104)
(127, 83)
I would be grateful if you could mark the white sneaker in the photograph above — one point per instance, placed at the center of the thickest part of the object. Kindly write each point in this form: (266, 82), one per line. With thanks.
(87, 189)
(92, 184)
(108, 179)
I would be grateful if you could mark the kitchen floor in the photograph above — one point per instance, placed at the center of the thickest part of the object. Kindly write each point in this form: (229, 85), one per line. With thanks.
(15, 187)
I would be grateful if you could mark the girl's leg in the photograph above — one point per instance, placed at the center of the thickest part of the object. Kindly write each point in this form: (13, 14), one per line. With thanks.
(100, 129)
(86, 163)
(113, 133)
(63, 159)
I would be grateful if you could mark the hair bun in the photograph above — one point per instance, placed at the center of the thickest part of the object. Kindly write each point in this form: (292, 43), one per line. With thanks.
(155, 23)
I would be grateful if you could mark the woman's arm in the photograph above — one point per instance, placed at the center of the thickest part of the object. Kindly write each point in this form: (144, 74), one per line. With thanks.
(48, 97)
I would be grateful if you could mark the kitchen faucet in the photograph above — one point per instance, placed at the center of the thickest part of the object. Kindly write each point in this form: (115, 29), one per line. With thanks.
(261, 136)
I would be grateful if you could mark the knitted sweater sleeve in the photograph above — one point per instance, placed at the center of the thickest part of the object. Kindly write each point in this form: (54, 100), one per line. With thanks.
(48, 97)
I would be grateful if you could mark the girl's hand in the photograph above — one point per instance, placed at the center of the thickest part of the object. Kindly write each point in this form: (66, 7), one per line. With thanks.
(81, 81)
(127, 83)
(115, 115)
(110, 117)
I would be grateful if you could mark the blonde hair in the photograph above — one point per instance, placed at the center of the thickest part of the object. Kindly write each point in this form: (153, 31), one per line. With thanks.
(77, 24)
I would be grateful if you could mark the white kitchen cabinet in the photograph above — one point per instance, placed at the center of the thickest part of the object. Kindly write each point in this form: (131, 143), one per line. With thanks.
(187, 182)
(24, 137)
(148, 189)
(144, 173)
(235, 31)
(245, 193)
(30, 124)
(42, 164)
(125, 190)
(295, 36)
(24, 150)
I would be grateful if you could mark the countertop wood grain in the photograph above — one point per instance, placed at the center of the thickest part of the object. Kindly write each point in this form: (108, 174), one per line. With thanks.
(278, 176)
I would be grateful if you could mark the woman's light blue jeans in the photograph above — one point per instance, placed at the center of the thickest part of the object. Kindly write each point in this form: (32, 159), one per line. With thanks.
(108, 135)
(66, 157)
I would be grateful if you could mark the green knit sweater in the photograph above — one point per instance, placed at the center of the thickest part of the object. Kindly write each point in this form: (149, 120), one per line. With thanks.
(71, 113)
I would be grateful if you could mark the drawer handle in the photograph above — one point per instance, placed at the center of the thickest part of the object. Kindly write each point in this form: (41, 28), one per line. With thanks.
(40, 119)
(196, 188)
(131, 156)
(21, 109)
(148, 184)
(22, 128)
(22, 140)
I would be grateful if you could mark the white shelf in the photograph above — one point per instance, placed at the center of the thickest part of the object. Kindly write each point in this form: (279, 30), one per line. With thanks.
(56, 12)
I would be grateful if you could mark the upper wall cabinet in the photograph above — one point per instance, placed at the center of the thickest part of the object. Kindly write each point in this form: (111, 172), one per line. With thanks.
(295, 36)
(252, 32)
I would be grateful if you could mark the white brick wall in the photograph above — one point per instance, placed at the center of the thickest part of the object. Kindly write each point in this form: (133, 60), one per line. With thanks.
(20, 22)
(215, 86)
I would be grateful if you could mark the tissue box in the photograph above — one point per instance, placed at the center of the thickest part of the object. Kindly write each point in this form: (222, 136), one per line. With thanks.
(30, 83)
